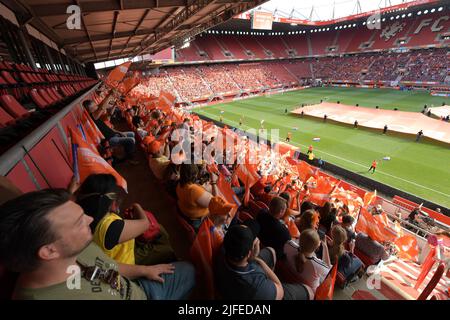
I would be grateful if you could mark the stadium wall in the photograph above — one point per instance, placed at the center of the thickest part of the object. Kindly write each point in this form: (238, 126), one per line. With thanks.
(41, 159)
(350, 176)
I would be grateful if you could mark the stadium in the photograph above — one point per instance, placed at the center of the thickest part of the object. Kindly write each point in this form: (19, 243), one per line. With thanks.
(224, 150)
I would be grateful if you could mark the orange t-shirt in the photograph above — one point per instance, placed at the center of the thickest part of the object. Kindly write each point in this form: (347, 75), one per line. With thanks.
(374, 164)
(187, 201)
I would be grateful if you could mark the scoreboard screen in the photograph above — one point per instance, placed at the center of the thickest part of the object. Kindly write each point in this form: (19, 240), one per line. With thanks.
(262, 20)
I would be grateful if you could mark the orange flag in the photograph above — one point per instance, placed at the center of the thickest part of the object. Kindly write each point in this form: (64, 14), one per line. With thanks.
(93, 134)
(87, 161)
(203, 251)
(321, 193)
(373, 228)
(117, 74)
(248, 175)
(408, 248)
(129, 83)
(369, 198)
(226, 191)
(326, 289)
(305, 171)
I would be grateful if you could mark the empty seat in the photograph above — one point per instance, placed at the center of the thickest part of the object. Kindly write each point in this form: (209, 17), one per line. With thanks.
(14, 108)
(25, 77)
(8, 77)
(38, 99)
(56, 93)
(47, 97)
(52, 95)
(3, 82)
(5, 119)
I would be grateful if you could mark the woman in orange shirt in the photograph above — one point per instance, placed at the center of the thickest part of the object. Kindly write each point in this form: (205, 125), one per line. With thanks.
(193, 199)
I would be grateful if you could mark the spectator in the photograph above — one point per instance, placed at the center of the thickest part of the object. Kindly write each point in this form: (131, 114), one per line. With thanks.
(306, 205)
(273, 232)
(193, 199)
(244, 272)
(327, 216)
(58, 237)
(114, 137)
(159, 161)
(118, 237)
(308, 220)
(305, 266)
(347, 224)
(348, 264)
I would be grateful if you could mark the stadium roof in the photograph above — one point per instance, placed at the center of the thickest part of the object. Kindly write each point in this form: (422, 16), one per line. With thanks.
(111, 29)
(323, 10)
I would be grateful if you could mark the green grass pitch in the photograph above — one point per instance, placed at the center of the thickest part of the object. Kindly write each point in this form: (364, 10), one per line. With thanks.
(421, 168)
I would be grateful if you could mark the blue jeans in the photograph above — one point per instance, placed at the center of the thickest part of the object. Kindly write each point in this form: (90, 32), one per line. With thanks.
(176, 286)
(128, 142)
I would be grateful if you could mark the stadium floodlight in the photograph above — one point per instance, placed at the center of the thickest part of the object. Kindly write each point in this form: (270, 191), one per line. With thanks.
(410, 14)
(354, 25)
(392, 18)
(440, 9)
(419, 13)
(345, 27)
(397, 17)
(433, 10)
(328, 29)
(425, 12)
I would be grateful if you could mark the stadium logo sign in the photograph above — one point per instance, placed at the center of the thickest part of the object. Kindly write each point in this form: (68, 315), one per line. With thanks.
(73, 22)
(374, 21)
(392, 30)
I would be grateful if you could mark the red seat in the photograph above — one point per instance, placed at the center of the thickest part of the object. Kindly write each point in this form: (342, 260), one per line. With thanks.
(38, 100)
(5, 119)
(244, 216)
(56, 93)
(3, 82)
(14, 108)
(8, 77)
(46, 97)
(52, 95)
(25, 77)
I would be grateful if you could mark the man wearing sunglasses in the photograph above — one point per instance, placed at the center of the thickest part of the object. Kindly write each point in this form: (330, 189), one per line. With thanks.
(46, 238)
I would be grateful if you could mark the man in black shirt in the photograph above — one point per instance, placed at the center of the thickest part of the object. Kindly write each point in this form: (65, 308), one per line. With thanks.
(273, 233)
(115, 138)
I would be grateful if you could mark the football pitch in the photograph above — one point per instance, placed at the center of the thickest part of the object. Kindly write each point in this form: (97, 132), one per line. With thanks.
(422, 169)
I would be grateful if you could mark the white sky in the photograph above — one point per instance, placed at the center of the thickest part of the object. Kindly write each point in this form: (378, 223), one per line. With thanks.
(323, 9)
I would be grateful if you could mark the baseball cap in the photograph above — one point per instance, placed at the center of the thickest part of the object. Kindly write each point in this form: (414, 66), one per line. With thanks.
(154, 147)
(219, 206)
(238, 241)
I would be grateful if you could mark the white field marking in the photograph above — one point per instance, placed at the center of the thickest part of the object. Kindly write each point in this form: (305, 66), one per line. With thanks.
(387, 174)
(363, 166)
